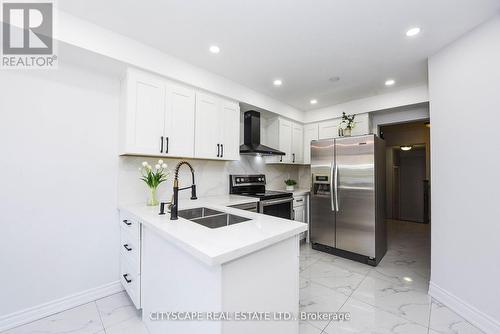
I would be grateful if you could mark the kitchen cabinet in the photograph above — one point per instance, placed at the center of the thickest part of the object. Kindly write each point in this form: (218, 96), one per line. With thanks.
(288, 137)
(310, 133)
(217, 124)
(130, 257)
(363, 125)
(329, 129)
(297, 143)
(300, 211)
(157, 117)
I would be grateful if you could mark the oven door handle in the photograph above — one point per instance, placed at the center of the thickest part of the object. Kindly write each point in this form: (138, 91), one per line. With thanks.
(273, 202)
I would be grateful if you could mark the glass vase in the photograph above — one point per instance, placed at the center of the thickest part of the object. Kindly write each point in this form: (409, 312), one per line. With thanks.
(347, 132)
(153, 197)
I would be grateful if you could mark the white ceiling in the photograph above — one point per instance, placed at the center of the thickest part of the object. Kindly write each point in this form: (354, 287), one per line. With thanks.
(304, 43)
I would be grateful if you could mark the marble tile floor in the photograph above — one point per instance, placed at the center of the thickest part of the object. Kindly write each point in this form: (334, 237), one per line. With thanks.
(391, 298)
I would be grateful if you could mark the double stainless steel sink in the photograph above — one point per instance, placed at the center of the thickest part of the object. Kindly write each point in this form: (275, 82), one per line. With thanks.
(211, 218)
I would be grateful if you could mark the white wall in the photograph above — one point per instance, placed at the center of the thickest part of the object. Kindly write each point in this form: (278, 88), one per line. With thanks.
(59, 169)
(212, 177)
(399, 115)
(464, 86)
(393, 99)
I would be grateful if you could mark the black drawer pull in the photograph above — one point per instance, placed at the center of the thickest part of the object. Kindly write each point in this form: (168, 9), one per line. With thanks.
(126, 222)
(126, 279)
(127, 247)
(299, 200)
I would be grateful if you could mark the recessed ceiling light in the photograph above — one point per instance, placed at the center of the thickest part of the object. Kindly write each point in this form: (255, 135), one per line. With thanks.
(277, 82)
(406, 148)
(313, 101)
(214, 49)
(413, 32)
(390, 82)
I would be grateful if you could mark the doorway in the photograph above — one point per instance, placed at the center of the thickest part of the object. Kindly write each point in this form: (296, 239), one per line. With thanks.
(407, 171)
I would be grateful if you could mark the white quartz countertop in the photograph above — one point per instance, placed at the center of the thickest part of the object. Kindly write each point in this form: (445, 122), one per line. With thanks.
(219, 245)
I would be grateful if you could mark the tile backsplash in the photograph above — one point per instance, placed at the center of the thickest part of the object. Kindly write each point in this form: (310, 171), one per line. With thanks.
(212, 177)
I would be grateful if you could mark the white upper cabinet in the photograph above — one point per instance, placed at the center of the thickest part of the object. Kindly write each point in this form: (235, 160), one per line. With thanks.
(363, 125)
(231, 130)
(165, 118)
(329, 129)
(179, 121)
(207, 130)
(153, 110)
(288, 137)
(143, 119)
(217, 128)
(310, 133)
(285, 140)
(297, 143)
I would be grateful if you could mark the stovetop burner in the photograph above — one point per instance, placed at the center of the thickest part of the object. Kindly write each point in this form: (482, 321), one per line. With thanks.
(253, 186)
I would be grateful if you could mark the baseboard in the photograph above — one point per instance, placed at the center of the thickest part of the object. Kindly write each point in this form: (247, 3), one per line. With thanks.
(482, 321)
(44, 310)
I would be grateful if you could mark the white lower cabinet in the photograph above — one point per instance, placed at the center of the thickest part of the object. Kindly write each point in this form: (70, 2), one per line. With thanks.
(300, 212)
(130, 257)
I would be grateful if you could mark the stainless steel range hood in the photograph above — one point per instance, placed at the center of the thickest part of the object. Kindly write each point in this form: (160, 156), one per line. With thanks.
(252, 145)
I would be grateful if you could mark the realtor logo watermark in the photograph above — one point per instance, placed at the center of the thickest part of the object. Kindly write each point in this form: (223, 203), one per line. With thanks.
(27, 35)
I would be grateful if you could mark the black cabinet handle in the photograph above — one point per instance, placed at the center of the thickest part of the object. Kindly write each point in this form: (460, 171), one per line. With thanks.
(126, 279)
(281, 158)
(218, 150)
(221, 150)
(127, 247)
(166, 140)
(293, 155)
(161, 144)
(126, 222)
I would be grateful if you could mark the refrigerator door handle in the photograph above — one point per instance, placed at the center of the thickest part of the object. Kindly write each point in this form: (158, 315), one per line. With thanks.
(335, 188)
(331, 188)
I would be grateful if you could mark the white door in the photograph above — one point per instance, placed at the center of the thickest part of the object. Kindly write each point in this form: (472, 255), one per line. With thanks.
(208, 127)
(145, 114)
(285, 140)
(179, 121)
(329, 129)
(230, 142)
(297, 143)
(310, 133)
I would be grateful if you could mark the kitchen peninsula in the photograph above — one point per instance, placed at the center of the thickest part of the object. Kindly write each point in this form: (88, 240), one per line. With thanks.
(194, 264)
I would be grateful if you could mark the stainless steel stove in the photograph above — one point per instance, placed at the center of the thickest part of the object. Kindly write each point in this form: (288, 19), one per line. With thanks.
(274, 203)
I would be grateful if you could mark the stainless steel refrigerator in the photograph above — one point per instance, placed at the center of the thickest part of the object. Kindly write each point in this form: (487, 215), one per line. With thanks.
(347, 197)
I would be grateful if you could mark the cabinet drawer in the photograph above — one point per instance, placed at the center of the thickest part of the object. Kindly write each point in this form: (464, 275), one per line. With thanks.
(299, 201)
(130, 248)
(130, 225)
(131, 281)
